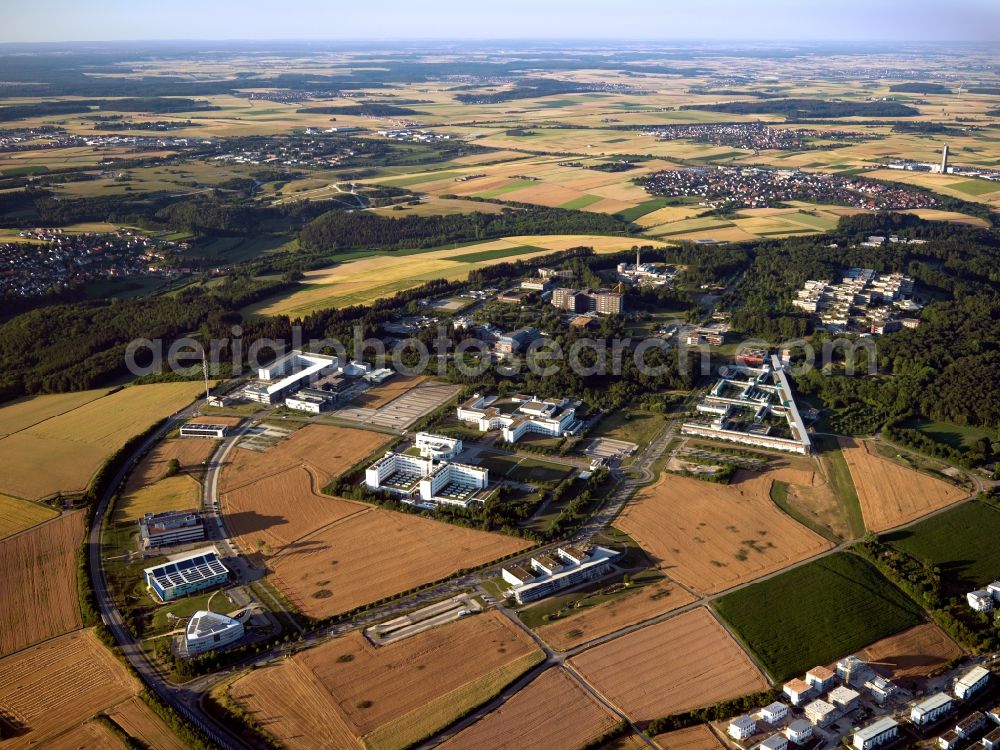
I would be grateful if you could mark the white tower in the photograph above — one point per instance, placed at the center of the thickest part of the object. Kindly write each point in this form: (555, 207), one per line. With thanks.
(944, 159)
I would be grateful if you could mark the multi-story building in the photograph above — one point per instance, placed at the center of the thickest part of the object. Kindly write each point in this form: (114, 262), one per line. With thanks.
(516, 341)
(798, 691)
(601, 301)
(844, 698)
(569, 566)
(171, 527)
(427, 483)
(821, 678)
(204, 430)
(519, 415)
(880, 689)
(774, 742)
(970, 724)
(438, 447)
(930, 709)
(774, 712)
(820, 712)
(208, 631)
(971, 682)
(742, 727)
(883, 731)
(799, 731)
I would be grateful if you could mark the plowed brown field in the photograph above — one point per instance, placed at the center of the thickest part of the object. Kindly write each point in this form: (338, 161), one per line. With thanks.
(391, 696)
(711, 537)
(327, 450)
(641, 604)
(378, 553)
(891, 494)
(51, 687)
(552, 712)
(685, 662)
(39, 596)
(913, 653)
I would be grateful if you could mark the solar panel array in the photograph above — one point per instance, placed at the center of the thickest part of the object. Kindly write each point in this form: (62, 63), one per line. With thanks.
(189, 570)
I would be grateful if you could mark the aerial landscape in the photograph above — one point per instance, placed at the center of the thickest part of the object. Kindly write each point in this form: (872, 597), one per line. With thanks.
(560, 376)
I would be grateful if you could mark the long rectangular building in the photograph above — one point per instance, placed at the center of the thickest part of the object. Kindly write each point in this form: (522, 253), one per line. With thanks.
(171, 527)
(179, 577)
(569, 566)
(427, 483)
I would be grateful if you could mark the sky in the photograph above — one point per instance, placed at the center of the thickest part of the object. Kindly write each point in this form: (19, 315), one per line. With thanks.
(784, 20)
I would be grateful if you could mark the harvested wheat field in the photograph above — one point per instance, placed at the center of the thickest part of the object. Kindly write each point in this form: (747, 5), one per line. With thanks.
(149, 488)
(268, 515)
(642, 604)
(692, 738)
(891, 494)
(913, 653)
(51, 687)
(551, 712)
(711, 537)
(386, 697)
(62, 454)
(378, 553)
(17, 515)
(139, 722)
(84, 736)
(380, 395)
(688, 661)
(328, 451)
(39, 597)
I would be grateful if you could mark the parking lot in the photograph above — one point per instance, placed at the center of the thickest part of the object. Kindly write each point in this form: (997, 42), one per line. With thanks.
(403, 411)
(609, 449)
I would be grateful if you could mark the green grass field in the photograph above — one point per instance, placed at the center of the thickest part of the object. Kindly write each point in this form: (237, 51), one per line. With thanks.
(828, 609)
(646, 207)
(632, 425)
(502, 252)
(839, 476)
(949, 433)
(519, 469)
(961, 542)
(582, 202)
(976, 187)
(508, 188)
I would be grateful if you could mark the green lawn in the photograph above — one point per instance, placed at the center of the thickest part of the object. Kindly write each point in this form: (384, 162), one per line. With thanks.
(962, 542)
(510, 187)
(503, 466)
(949, 433)
(186, 607)
(633, 425)
(500, 252)
(839, 475)
(816, 613)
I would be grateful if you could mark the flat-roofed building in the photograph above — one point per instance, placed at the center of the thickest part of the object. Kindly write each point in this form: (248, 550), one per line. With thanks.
(971, 724)
(799, 731)
(774, 712)
(288, 374)
(950, 740)
(438, 447)
(844, 698)
(515, 575)
(971, 682)
(196, 571)
(820, 712)
(930, 709)
(992, 739)
(821, 678)
(853, 671)
(774, 742)
(519, 415)
(880, 689)
(882, 732)
(981, 601)
(421, 481)
(561, 570)
(204, 430)
(798, 691)
(171, 527)
(742, 727)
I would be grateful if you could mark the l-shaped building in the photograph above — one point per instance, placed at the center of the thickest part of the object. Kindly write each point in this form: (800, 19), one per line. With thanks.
(518, 415)
(427, 483)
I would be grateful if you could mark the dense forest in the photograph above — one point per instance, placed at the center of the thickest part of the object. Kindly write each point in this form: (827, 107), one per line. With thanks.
(338, 229)
(916, 87)
(153, 105)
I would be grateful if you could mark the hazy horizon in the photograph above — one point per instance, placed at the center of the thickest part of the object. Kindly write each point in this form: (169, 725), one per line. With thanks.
(788, 21)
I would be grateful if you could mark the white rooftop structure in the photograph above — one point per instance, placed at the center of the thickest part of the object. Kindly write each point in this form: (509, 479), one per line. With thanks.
(971, 681)
(550, 573)
(208, 631)
(876, 734)
(438, 447)
(290, 372)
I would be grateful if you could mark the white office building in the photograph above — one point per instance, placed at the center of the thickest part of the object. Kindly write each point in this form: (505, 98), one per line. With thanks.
(875, 735)
(428, 483)
(971, 682)
(208, 631)
(742, 727)
(438, 447)
(519, 415)
(930, 709)
(548, 574)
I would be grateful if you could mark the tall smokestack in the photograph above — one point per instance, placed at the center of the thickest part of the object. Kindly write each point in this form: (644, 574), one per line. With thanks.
(637, 251)
(944, 159)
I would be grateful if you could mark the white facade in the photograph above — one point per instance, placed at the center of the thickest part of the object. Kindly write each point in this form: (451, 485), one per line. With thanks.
(881, 732)
(799, 731)
(981, 601)
(820, 713)
(203, 430)
(844, 698)
(821, 678)
(930, 709)
(287, 374)
(567, 567)
(547, 417)
(208, 631)
(971, 682)
(774, 742)
(798, 691)
(423, 481)
(742, 727)
(438, 447)
(774, 712)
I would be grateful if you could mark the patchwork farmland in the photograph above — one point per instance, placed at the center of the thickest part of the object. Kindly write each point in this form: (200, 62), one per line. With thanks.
(348, 693)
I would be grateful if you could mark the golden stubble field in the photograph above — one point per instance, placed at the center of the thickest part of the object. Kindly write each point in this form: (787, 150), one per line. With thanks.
(681, 663)
(553, 711)
(378, 553)
(63, 452)
(56, 685)
(642, 604)
(39, 598)
(347, 693)
(150, 490)
(711, 537)
(891, 494)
